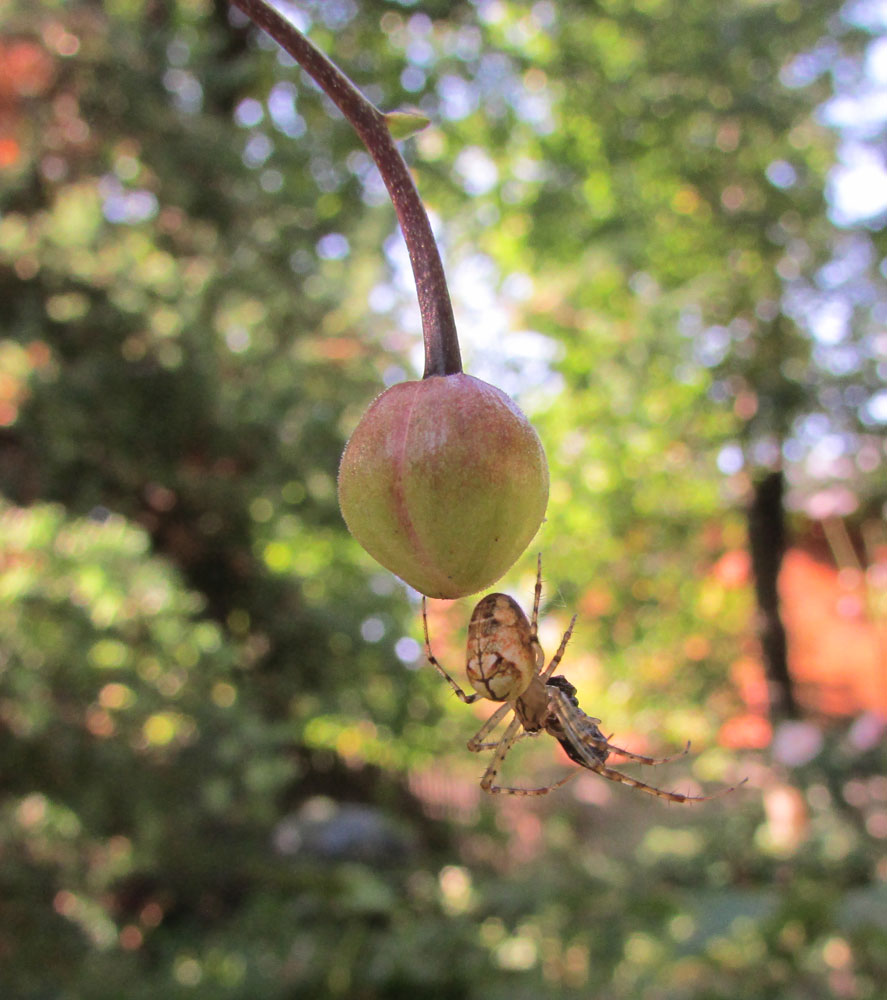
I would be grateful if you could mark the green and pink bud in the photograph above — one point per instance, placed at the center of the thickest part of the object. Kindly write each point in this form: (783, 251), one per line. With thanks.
(445, 483)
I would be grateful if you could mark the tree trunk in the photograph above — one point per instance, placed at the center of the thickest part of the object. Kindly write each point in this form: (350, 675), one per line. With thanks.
(767, 542)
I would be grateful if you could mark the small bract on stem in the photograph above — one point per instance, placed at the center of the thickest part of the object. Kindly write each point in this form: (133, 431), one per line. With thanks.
(505, 663)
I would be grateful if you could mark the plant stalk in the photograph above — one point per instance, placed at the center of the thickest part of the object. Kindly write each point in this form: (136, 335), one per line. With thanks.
(442, 356)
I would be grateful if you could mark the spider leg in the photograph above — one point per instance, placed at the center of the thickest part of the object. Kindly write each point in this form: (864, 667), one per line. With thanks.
(475, 743)
(505, 744)
(556, 659)
(460, 694)
(582, 730)
(542, 790)
(641, 759)
(534, 621)
(477, 747)
(488, 781)
(609, 773)
(585, 748)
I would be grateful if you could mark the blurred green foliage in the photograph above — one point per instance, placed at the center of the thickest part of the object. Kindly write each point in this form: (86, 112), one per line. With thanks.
(221, 772)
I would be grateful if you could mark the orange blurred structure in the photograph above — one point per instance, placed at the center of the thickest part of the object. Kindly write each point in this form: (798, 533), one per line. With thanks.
(837, 647)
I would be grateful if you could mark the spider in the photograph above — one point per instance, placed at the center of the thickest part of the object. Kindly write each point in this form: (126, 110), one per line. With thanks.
(505, 664)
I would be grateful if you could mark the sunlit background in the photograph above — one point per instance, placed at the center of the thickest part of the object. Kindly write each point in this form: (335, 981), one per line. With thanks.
(226, 769)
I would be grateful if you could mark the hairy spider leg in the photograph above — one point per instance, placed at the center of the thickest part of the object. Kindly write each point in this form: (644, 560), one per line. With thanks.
(565, 712)
(588, 732)
(558, 656)
(487, 782)
(475, 744)
(537, 597)
(641, 759)
(432, 659)
(522, 735)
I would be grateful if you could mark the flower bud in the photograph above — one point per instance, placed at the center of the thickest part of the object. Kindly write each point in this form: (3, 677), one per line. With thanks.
(444, 482)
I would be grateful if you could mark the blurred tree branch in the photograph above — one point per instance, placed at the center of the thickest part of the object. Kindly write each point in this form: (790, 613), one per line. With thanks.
(767, 543)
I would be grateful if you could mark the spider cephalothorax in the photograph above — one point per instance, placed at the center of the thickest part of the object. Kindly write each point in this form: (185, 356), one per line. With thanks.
(505, 663)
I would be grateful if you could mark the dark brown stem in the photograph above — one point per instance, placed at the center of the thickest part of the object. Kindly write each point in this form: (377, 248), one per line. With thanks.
(442, 355)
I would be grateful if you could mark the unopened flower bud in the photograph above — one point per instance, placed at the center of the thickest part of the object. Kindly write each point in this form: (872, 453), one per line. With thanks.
(444, 482)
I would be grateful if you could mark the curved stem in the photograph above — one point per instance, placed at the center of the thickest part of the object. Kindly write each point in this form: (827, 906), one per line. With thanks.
(442, 355)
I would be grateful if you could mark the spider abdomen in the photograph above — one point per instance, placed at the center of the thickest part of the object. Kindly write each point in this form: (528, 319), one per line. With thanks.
(502, 657)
